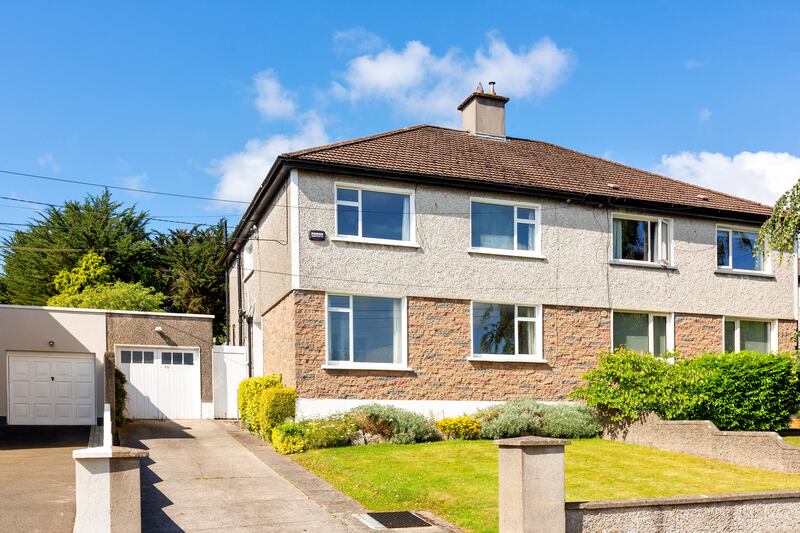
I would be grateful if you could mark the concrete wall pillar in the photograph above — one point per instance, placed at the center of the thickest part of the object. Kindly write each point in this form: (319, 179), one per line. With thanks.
(531, 479)
(107, 490)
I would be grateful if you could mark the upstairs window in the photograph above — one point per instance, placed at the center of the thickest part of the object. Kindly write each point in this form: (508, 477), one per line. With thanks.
(247, 260)
(735, 250)
(642, 239)
(505, 226)
(374, 214)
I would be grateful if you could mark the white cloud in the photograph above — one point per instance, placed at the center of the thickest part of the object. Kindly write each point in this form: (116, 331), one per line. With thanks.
(49, 162)
(760, 176)
(694, 63)
(136, 181)
(417, 82)
(242, 173)
(272, 100)
(704, 115)
(356, 41)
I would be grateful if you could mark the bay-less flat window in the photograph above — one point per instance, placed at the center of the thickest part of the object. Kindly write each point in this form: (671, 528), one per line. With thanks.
(374, 214)
(642, 239)
(748, 335)
(505, 330)
(365, 330)
(501, 226)
(642, 332)
(735, 250)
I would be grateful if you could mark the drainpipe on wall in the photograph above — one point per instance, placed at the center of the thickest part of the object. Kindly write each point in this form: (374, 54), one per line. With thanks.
(249, 346)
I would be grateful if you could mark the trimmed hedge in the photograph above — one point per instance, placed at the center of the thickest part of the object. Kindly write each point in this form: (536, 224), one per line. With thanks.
(276, 404)
(745, 391)
(296, 437)
(249, 398)
(288, 438)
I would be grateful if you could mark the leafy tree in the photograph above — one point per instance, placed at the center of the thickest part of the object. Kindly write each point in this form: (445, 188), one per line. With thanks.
(64, 234)
(190, 273)
(3, 291)
(118, 295)
(91, 270)
(781, 231)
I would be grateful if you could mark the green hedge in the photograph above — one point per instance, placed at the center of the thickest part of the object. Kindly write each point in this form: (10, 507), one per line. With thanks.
(249, 398)
(276, 404)
(745, 391)
(296, 437)
(120, 397)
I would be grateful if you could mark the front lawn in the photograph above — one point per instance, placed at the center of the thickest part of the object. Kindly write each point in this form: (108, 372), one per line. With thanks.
(458, 479)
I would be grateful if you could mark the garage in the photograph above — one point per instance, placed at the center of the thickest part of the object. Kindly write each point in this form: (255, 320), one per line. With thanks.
(51, 389)
(163, 382)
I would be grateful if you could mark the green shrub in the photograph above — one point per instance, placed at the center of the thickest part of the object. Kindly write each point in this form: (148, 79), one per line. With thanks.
(249, 398)
(288, 438)
(746, 391)
(397, 425)
(489, 413)
(330, 432)
(460, 427)
(275, 405)
(627, 384)
(570, 422)
(520, 416)
(120, 397)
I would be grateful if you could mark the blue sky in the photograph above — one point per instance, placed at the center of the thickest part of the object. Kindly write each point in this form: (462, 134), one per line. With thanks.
(198, 97)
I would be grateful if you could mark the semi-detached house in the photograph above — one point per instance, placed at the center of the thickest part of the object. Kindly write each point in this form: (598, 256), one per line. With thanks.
(442, 269)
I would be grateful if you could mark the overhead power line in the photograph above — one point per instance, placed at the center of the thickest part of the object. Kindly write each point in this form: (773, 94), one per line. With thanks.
(120, 188)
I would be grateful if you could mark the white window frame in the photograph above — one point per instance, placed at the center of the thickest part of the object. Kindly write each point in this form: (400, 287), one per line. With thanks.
(248, 265)
(538, 357)
(350, 364)
(670, 248)
(412, 229)
(771, 324)
(537, 224)
(766, 267)
(650, 337)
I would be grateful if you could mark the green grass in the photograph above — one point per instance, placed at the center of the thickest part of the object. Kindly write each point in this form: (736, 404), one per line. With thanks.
(795, 441)
(458, 479)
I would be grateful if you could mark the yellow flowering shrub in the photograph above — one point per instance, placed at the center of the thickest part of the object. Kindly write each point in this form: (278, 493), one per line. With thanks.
(460, 427)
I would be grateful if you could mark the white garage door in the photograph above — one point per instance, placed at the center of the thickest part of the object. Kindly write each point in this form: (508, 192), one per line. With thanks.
(48, 389)
(162, 382)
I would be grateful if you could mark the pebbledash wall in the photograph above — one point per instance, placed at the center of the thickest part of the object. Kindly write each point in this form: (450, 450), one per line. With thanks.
(442, 381)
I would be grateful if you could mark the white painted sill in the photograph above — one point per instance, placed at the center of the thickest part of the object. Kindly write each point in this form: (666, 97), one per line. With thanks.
(643, 264)
(378, 242)
(732, 272)
(368, 366)
(500, 359)
(507, 253)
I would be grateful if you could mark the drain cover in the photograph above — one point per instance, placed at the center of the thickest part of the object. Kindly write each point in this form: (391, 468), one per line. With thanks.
(398, 519)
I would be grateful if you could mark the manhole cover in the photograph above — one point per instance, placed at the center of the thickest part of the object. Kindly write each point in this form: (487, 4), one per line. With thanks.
(398, 519)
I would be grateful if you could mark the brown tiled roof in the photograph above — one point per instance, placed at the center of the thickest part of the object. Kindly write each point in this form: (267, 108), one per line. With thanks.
(520, 163)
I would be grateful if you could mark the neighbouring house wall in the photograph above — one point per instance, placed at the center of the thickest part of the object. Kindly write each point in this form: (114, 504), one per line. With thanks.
(234, 337)
(764, 512)
(439, 343)
(73, 332)
(279, 340)
(575, 271)
(185, 331)
(759, 449)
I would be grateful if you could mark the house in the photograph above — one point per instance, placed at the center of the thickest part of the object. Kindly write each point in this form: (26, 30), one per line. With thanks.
(444, 269)
(57, 364)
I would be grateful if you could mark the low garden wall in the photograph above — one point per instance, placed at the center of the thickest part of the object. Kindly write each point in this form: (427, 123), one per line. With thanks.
(732, 513)
(759, 449)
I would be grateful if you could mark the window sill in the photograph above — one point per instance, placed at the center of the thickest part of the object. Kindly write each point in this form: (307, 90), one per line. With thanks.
(367, 366)
(379, 242)
(507, 253)
(753, 273)
(641, 264)
(502, 359)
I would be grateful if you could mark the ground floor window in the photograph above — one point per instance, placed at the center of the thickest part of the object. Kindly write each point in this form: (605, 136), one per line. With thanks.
(506, 331)
(643, 332)
(748, 335)
(365, 330)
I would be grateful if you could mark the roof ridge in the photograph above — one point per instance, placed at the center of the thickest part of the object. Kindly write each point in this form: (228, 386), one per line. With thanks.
(323, 147)
(636, 169)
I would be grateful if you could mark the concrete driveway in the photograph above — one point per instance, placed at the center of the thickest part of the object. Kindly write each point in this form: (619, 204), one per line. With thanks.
(37, 477)
(199, 478)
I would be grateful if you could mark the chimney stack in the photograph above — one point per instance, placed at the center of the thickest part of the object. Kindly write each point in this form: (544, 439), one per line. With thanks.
(484, 113)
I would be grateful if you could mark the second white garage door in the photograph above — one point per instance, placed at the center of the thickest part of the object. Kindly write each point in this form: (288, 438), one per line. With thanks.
(162, 382)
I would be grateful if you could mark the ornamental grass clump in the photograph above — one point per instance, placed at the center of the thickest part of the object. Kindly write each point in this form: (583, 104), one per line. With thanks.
(398, 426)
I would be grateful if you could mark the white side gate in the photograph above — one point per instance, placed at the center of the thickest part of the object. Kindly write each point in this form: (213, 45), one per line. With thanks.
(230, 368)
